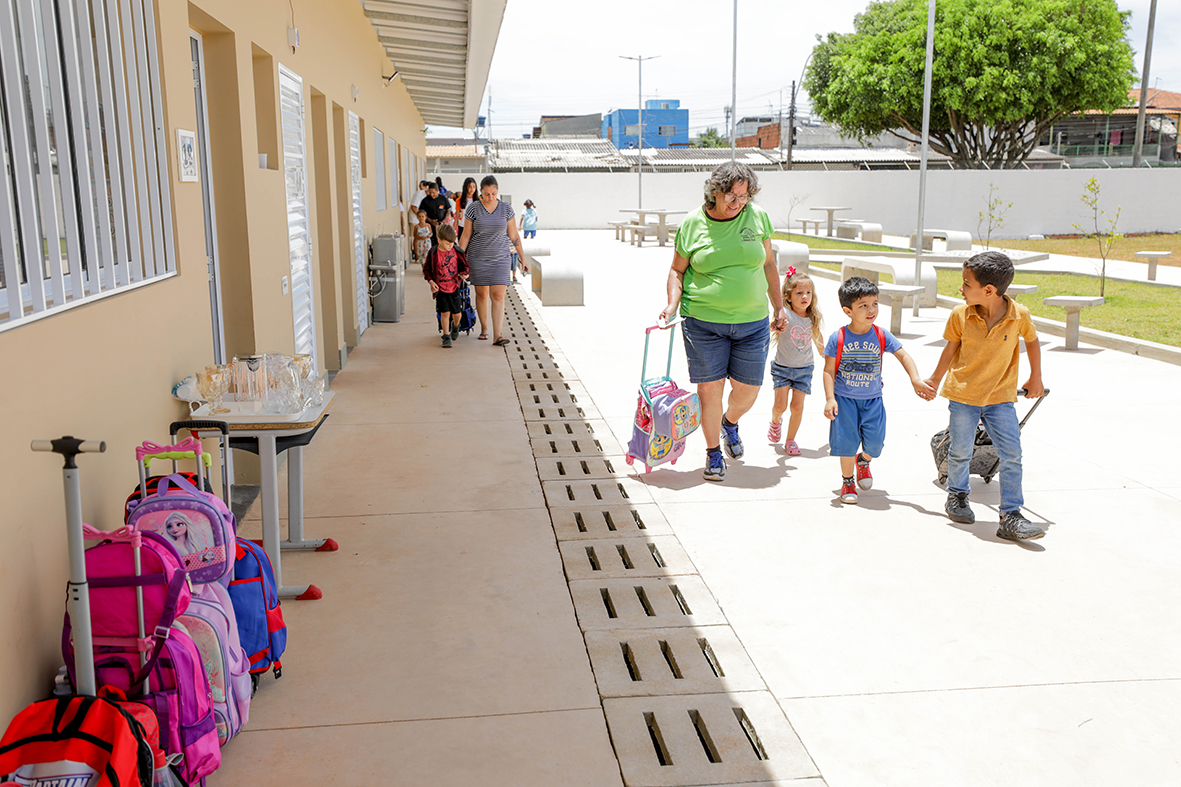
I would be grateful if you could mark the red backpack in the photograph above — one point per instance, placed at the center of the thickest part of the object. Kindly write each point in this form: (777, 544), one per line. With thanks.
(85, 741)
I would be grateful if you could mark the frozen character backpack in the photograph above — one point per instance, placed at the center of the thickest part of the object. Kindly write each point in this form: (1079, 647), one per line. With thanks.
(666, 414)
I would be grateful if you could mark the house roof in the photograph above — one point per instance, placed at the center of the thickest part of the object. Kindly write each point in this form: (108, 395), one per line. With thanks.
(584, 153)
(441, 50)
(454, 151)
(1157, 99)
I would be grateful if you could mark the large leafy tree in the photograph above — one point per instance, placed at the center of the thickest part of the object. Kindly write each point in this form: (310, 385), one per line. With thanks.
(1004, 71)
(711, 139)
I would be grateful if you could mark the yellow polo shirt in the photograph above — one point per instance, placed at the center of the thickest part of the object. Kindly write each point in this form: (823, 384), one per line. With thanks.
(984, 369)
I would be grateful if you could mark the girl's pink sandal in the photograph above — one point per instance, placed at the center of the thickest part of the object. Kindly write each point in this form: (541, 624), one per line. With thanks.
(792, 448)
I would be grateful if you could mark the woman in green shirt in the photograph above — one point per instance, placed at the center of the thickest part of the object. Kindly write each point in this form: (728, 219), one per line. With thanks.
(723, 270)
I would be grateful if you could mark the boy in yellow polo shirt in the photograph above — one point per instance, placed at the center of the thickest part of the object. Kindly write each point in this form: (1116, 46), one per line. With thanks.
(982, 356)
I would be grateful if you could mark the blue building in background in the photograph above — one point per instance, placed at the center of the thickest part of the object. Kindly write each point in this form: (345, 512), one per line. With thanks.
(665, 125)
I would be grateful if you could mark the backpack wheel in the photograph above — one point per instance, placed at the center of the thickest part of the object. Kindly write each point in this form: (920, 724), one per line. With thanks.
(988, 479)
(943, 480)
(629, 459)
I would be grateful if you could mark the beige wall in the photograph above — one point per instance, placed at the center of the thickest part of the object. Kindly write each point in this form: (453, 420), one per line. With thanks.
(104, 370)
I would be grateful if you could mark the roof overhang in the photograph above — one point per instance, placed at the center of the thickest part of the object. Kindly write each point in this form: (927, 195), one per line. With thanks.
(442, 51)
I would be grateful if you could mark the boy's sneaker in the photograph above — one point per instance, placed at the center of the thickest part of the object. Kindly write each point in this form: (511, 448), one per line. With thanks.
(731, 442)
(775, 432)
(1016, 527)
(957, 508)
(848, 491)
(454, 332)
(715, 466)
(864, 477)
(446, 340)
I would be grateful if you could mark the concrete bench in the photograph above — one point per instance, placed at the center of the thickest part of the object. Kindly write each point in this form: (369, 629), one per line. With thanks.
(814, 222)
(637, 232)
(1152, 258)
(1020, 289)
(901, 268)
(957, 240)
(790, 254)
(556, 282)
(1073, 305)
(619, 228)
(855, 229)
(898, 295)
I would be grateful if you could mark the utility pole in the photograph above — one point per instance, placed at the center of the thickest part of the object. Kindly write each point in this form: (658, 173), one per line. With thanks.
(791, 124)
(781, 126)
(734, 82)
(918, 246)
(640, 147)
(1138, 148)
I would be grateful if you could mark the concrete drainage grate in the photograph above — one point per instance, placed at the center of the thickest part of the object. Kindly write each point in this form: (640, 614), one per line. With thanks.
(607, 491)
(644, 603)
(565, 468)
(560, 412)
(660, 556)
(705, 739)
(593, 522)
(542, 375)
(706, 660)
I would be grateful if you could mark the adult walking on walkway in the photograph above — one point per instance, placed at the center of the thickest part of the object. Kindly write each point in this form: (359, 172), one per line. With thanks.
(722, 274)
(489, 237)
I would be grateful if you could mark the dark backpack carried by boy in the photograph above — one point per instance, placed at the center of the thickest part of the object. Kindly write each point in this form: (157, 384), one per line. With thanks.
(76, 742)
(984, 462)
(255, 596)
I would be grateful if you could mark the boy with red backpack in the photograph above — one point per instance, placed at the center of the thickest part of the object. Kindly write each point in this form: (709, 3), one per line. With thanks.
(853, 384)
(446, 269)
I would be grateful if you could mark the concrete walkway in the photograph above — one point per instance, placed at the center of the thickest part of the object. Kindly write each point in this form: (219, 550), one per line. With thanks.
(478, 620)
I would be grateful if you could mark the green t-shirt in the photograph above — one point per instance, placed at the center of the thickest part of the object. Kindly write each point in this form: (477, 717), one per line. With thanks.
(725, 281)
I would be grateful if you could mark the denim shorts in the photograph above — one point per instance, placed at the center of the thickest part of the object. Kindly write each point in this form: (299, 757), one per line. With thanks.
(530, 234)
(717, 350)
(796, 378)
(860, 425)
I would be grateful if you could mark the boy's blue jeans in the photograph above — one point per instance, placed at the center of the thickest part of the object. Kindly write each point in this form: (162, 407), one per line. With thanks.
(1001, 422)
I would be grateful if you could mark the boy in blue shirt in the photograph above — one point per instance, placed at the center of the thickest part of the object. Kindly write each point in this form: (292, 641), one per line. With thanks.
(853, 385)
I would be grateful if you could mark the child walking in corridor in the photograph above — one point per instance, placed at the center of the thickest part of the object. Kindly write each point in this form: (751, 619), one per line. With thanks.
(792, 367)
(853, 385)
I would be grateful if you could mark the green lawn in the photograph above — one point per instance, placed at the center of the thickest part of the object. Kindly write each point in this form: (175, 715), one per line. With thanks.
(1125, 248)
(822, 243)
(1131, 309)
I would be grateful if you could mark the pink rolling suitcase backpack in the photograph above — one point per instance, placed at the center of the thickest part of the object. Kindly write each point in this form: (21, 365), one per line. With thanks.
(665, 413)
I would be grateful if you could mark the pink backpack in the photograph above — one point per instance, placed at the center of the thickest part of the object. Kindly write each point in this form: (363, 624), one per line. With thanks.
(211, 623)
(197, 523)
(166, 657)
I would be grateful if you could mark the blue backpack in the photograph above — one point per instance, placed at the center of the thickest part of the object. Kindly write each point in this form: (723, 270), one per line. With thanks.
(261, 629)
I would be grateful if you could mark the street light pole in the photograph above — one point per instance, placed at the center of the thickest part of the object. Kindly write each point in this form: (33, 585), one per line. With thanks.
(734, 85)
(640, 148)
(1138, 148)
(918, 246)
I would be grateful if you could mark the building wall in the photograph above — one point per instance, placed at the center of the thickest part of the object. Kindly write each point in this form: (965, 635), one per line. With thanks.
(1044, 202)
(104, 370)
(616, 123)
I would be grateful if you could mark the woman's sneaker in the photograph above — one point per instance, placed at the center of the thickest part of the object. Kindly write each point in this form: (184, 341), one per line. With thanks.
(848, 491)
(715, 466)
(957, 508)
(731, 442)
(1016, 527)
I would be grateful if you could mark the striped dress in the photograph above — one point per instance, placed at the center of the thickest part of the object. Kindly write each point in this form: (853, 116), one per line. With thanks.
(489, 251)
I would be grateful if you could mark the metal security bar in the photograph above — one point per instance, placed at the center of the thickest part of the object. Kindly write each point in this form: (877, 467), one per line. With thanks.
(85, 201)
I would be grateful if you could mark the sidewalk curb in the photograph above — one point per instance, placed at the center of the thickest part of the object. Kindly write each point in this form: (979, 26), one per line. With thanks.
(1108, 341)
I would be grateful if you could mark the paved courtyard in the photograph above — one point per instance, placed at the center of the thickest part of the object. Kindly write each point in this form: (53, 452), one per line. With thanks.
(512, 604)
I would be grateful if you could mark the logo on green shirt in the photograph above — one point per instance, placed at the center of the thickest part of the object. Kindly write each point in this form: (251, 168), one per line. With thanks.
(749, 235)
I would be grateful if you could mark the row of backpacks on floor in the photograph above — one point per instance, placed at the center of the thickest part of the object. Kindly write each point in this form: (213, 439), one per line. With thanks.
(211, 628)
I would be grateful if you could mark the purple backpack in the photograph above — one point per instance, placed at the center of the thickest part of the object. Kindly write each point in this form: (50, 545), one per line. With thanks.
(197, 523)
(211, 623)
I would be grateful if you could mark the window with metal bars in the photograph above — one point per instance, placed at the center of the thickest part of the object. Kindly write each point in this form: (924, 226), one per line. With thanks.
(85, 201)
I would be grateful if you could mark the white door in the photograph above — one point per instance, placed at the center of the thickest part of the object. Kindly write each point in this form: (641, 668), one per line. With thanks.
(299, 239)
(204, 162)
(362, 275)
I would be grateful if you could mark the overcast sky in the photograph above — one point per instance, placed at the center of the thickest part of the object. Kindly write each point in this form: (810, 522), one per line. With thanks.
(559, 57)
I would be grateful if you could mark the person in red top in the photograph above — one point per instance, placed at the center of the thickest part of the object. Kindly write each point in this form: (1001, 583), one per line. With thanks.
(445, 268)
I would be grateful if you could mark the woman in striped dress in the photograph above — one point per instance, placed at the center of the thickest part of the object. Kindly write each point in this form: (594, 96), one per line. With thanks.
(489, 237)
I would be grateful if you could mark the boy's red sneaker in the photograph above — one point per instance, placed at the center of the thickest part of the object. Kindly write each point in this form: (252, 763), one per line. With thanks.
(848, 491)
(864, 477)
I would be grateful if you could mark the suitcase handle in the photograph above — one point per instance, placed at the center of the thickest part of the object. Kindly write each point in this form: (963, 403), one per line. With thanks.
(221, 426)
(672, 337)
(1023, 392)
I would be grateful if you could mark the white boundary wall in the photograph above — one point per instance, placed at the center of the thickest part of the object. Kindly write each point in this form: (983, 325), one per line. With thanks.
(1045, 202)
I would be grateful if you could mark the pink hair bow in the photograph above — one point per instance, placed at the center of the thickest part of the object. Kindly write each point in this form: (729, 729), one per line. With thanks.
(791, 271)
(150, 448)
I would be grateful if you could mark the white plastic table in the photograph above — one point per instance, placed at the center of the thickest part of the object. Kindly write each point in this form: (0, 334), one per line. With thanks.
(1152, 257)
(830, 212)
(267, 429)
